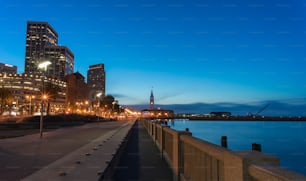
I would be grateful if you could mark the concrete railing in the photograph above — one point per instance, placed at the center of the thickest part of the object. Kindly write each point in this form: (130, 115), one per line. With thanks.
(196, 159)
(159, 136)
(200, 160)
(273, 173)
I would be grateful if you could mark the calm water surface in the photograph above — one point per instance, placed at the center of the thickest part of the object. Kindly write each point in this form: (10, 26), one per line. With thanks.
(283, 139)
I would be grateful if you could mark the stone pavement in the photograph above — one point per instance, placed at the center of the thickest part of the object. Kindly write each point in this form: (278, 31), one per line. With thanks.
(141, 159)
(87, 162)
(62, 155)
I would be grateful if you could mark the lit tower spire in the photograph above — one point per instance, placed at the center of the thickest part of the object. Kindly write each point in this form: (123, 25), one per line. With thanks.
(151, 100)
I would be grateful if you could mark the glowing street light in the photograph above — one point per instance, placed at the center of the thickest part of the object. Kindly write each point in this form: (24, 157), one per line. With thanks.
(98, 98)
(44, 97)
(44, 66)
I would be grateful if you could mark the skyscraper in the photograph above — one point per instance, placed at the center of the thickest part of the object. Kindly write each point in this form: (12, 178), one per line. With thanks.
(96, 81)
(39, 35)
(42, 45)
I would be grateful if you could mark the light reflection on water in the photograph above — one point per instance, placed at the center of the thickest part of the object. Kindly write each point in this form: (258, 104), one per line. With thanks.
(283, 139)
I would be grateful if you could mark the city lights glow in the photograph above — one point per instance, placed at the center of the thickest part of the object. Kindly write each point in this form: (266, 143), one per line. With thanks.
(190, 52)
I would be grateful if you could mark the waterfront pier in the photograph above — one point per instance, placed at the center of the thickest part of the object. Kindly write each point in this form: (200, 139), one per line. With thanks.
(195, 159)
(139, 159)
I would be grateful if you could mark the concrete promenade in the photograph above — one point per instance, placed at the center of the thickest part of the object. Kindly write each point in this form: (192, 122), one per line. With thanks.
(141, 159)
(75, 153)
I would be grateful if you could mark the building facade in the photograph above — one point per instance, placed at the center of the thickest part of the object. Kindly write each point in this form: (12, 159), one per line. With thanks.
(7, 68)
(27, 89)
(156, 113)
(42, 45)
(96, 81)
(62, 61)
(77, 92)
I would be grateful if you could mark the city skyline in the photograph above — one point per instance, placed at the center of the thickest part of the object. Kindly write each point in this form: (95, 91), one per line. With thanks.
(189, 52)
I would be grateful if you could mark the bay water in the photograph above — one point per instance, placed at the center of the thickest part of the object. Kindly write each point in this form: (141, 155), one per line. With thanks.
(283, 139)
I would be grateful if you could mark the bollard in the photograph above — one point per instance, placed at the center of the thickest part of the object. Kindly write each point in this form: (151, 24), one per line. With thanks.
(187, 129)
(256, 147)
(224, 141)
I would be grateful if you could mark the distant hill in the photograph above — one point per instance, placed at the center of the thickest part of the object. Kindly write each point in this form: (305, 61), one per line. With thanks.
(275, 108)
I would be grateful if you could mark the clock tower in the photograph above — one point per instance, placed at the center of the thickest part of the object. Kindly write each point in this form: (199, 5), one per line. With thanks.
(151, 100)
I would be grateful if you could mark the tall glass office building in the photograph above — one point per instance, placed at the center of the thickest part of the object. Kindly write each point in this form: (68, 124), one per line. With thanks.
(42, 45)
(96, 81)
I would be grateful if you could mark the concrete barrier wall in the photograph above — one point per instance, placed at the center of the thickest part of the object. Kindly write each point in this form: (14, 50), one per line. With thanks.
(159, 136)
(168, 146)
(196, 159)
(205, 161)
(145, 124)
(274, 173)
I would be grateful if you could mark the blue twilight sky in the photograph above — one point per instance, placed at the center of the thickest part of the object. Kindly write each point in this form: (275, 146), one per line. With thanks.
(188, 50)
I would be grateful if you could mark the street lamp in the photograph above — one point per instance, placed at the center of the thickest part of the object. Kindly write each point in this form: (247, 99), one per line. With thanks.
(98, 97)
(44, 66)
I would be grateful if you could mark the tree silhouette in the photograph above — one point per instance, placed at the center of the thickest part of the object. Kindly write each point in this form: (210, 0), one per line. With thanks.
(109, 104)
(6, 97)
(106, 102)
(52, 91)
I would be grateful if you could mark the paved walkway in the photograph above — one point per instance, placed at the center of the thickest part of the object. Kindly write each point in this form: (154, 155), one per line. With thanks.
(62, 153)
(83, 153)
(141, 159)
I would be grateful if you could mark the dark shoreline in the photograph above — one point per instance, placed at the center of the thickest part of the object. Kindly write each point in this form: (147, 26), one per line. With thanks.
(242, 118)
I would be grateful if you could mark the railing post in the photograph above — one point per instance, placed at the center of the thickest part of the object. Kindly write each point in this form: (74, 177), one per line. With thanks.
(154, 132)
(151, 130)
(233, 167)
(158, 135)
(149, 127)
(162, 144)
(224, 141)
(177, 153)
(256, 147)
(181, 154)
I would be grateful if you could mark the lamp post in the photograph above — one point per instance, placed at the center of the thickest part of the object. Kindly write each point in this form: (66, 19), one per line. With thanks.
(98, 97)
(86, 106)
(44, 66)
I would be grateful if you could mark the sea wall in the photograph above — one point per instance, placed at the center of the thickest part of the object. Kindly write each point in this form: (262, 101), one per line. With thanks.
(196, 159)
